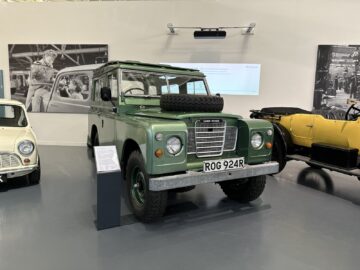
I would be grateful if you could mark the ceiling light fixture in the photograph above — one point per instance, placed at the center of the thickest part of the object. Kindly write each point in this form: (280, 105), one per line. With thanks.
(212, 32)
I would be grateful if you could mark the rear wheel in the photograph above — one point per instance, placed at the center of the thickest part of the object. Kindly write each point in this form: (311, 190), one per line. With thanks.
(147, 206)
(244, 190)
(95, 142)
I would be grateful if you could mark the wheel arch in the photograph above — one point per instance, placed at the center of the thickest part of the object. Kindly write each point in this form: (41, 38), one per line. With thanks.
(129, 146)
(285, 138)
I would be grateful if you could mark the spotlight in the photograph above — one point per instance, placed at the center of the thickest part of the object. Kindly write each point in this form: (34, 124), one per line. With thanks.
(209, 34)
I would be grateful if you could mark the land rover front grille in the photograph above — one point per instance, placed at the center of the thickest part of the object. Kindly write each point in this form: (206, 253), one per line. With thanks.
(211, 138)
(9, 161)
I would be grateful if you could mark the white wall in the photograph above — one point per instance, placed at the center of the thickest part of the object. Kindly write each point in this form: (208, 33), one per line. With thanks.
(285, 43)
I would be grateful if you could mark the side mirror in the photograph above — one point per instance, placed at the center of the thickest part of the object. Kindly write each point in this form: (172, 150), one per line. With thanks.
(105, 93)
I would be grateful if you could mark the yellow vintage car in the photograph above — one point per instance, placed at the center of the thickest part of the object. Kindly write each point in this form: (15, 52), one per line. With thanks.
(18, 151)
(320, 142)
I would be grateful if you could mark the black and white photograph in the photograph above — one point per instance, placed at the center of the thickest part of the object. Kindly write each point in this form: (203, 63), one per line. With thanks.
(337, 80)
(54, 77)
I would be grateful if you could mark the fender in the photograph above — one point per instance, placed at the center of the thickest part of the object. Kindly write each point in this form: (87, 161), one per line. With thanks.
(284, 136)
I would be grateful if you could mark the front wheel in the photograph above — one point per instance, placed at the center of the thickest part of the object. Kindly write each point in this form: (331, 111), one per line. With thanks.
(147, 206)
(244, 190)
(34, 177)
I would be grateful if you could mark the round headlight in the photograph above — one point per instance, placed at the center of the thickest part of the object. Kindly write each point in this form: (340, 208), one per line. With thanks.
(26, 147)
(173, 145)
(269, 132)
(256, 140)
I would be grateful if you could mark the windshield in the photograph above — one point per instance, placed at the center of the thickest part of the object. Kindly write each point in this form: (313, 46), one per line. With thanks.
(12, 116)
(149, 84)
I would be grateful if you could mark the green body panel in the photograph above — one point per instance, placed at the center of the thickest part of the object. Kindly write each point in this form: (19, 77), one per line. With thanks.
(140, 127)
(138, 120)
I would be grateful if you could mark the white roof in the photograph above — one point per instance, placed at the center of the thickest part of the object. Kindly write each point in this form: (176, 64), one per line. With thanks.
(81, 68)
(11, 102)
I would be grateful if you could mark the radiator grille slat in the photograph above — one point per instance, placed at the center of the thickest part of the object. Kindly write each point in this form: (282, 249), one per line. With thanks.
(211, 138)
(9, 161)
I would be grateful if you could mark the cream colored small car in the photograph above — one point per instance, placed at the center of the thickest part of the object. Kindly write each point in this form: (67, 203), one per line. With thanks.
(18, 151)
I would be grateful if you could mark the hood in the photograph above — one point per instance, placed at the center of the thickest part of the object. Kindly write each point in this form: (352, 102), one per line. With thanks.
(9, 138)
(157, 113)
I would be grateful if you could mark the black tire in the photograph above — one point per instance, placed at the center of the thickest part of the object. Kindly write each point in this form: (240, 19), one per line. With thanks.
(191, 103)
(244, 190)
(35, 176)
(278, 153)
(95, 142)
(147, 206)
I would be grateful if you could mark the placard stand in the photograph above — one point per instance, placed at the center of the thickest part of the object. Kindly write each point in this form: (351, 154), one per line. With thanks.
(108, 214)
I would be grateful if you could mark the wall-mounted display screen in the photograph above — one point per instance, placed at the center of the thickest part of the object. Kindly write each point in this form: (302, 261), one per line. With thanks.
(229, 79)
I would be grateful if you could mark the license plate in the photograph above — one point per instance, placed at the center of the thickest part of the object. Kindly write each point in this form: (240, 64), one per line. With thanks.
(223, 164)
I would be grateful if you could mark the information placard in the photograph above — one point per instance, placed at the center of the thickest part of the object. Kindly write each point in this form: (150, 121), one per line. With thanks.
(106, 159)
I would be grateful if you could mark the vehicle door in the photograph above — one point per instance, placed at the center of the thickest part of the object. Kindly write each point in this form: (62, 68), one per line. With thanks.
(70, 93)
(341, 133)
(107, 134)
(302, 129)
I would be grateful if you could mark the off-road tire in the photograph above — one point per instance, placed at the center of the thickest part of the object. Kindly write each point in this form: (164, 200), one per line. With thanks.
(95, 142)
(191, 103)
(35, 176)
(244, 190)
(278, 153)
(154, 203)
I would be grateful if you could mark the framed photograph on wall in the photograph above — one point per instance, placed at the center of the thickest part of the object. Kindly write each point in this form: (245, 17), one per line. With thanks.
(54, 77)
(337, 79)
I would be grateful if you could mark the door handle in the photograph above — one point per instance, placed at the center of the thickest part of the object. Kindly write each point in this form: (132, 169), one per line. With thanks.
(309, 125)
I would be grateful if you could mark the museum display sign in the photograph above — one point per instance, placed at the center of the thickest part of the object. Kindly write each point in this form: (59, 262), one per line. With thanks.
(54, 77)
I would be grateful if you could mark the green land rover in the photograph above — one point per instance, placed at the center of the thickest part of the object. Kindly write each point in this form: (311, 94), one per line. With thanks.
(170, 135)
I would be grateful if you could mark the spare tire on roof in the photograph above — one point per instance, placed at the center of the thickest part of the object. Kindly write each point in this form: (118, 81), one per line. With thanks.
(191, 103)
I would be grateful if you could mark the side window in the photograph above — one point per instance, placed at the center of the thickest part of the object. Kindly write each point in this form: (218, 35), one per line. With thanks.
(196, 88)
(174, 89)
(113, 85)
(73, 86)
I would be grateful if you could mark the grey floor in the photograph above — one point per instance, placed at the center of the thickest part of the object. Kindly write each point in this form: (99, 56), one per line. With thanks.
(292, 226)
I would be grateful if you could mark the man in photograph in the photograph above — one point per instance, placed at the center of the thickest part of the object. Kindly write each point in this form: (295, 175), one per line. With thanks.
(41, 75)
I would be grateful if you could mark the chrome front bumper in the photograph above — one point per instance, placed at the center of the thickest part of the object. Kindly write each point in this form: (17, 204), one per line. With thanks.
(17, 172)
(191, 178)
